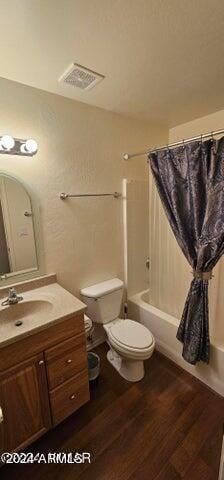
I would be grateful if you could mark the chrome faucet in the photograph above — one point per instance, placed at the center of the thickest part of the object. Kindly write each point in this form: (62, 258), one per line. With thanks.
(12, 298)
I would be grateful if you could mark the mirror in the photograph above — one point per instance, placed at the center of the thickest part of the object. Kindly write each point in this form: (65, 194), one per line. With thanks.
(17, 239)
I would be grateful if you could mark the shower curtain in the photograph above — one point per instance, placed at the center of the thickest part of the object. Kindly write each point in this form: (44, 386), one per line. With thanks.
(190, 182)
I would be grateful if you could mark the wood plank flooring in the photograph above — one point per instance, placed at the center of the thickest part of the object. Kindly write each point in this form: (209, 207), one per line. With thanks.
(166, 427)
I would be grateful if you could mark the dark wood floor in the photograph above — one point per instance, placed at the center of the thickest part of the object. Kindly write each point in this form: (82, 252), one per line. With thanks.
(166, 427)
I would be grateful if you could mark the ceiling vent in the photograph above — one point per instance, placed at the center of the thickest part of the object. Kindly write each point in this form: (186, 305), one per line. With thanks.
(81, 77)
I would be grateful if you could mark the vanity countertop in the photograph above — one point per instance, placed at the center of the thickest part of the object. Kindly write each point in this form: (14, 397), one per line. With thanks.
(39, 309)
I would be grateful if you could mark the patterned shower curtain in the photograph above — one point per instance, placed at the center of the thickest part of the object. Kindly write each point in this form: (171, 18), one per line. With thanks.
(190, 182)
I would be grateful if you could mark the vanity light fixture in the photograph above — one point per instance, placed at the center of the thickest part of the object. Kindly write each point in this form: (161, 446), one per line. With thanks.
(18, 146)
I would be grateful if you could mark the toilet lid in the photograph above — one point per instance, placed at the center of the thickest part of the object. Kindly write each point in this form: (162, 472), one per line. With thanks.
(131, 334)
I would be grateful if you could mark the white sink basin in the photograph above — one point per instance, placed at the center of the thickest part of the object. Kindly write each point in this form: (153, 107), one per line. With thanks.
(24, 310)
(40, 308)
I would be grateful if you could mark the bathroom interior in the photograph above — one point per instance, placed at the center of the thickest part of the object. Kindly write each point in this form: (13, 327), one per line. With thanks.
(111, 197)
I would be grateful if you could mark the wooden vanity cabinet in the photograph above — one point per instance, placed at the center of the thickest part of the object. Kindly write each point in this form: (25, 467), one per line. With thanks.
(24, 403)
(43, 380)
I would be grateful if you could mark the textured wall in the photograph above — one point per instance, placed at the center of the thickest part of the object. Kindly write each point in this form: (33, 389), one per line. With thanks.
(79, 151)
(170, 273)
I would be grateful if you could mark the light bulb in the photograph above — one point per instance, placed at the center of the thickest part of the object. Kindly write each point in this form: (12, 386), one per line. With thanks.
(30, 146)
(7, 142)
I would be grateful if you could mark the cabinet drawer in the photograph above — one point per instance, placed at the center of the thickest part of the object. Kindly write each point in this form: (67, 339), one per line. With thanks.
(25, 348)
(69, 396)
(65, 360)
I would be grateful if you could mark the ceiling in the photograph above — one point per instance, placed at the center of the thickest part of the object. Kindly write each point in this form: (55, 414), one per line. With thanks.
(163, 59)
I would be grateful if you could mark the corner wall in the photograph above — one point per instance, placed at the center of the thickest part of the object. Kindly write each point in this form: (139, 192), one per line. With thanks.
(80, 151)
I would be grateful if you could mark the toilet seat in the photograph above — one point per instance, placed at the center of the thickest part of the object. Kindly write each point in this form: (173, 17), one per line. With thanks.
(131, 339)
(131, 334)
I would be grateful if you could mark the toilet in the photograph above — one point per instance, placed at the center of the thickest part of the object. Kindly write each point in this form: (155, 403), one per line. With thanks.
(130, 342)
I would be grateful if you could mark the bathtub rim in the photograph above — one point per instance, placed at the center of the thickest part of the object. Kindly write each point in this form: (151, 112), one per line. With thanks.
(137, 298)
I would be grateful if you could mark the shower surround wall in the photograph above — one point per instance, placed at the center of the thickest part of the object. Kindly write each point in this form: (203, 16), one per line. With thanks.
(80, 151)
(137, 194)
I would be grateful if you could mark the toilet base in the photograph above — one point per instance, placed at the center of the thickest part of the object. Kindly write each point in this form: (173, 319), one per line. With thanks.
(131, 370)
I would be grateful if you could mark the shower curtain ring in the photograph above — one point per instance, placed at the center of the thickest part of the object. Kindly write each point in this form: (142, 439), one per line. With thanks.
(212, 135)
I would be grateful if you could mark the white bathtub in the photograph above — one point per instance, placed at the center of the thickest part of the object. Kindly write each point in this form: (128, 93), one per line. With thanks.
(164, 328)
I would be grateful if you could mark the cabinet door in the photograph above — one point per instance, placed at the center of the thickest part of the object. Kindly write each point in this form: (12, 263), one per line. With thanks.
(24, 404)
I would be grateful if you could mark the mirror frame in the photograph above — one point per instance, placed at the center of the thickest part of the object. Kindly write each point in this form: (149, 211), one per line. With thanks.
(35, 271)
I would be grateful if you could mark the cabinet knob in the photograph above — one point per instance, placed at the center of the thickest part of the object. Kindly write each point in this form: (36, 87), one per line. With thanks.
(41, 362)
(75, 395)
(69, 360)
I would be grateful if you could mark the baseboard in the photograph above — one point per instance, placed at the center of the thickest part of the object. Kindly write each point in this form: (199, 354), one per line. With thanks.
(96, 343)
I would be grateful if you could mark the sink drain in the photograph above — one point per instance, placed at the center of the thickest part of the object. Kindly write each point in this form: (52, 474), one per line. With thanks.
(18, 323)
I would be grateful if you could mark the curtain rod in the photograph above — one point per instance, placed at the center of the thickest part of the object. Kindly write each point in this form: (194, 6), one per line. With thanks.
(127, 156)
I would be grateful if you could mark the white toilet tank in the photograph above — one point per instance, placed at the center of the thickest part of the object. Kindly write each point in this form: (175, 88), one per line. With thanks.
(104, 300)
